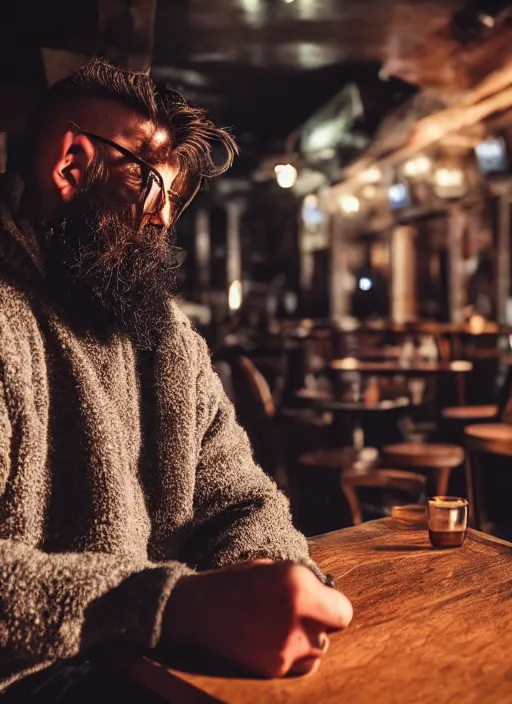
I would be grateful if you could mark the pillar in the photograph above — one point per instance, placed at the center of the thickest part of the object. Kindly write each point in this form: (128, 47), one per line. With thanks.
(457, 221)
(234, 270)
(503, 259)
(306, 263)
(403, 274)
(233, 241)
(203, 251)
(339, 294)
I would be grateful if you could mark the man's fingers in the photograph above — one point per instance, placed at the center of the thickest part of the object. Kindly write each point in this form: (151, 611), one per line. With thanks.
(319, 645)
(305, 666)
(328, 607)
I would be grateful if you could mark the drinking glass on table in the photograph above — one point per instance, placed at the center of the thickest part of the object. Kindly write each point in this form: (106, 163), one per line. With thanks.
(447, 521)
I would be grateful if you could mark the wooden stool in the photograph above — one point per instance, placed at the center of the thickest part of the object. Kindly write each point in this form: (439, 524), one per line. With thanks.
(409, 484)
(461, 416)
(442, 458)
(495, 438)
(491, 438)
(471, 413)
(320, 504)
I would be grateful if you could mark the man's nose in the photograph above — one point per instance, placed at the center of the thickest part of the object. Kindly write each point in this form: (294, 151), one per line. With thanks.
(161, 217)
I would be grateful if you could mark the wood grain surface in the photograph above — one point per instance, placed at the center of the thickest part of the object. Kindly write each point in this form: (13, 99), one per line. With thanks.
(430, 627)
(350, 364)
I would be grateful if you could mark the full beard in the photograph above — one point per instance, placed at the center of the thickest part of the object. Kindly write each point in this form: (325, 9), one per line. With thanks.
(105, 275)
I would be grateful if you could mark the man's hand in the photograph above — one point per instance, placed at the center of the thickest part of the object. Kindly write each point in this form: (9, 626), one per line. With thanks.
(268, 617)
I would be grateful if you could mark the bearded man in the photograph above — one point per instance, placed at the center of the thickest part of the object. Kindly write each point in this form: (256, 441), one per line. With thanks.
(129, 496)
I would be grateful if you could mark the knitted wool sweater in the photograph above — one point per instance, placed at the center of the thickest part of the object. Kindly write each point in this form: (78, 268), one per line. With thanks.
(116, 477)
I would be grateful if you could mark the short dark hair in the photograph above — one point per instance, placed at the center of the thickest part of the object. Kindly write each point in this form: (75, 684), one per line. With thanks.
(194, 135)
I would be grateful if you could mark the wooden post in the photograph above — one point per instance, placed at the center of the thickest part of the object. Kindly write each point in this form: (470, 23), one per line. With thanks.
(233, 241)
(203, 251)
(457, 221)
(503, 262)
(403, 274)
(338, 294)
(307, 263)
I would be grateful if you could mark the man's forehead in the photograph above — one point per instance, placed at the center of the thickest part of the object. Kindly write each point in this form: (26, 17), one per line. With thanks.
(143, 137)
(125, 126)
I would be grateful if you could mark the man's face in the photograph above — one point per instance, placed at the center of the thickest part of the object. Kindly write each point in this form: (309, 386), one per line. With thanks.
(110, 250)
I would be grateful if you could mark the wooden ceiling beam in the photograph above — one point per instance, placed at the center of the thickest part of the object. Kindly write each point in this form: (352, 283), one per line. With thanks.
(127, 32)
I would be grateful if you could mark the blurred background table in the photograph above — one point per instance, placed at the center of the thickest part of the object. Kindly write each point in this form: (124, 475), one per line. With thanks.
(415, 368)
(429, 626)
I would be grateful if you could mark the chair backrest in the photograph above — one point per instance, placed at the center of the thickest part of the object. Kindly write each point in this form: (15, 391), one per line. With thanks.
(410, 484)
(505, 398)
(255, 407)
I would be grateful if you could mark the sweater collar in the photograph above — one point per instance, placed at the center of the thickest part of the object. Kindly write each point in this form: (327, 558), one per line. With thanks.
(19, 244)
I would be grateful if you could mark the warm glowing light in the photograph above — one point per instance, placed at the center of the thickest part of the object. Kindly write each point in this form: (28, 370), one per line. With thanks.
(487, 20)
(286, 175)
(461, 365)
(347, 364)
(477, 324)
(371, 175)
(369, 192)
(349, 204)
(449, 183)
(418, 166)
(451, 178)
(235, 295)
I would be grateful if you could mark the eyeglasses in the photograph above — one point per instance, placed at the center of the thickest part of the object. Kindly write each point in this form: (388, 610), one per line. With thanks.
(150, 200)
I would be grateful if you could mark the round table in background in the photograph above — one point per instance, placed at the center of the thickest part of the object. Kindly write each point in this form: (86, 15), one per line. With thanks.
(415, 368)
(357, 410)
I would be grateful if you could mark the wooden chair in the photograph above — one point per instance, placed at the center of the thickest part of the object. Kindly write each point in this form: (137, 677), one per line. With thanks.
(493, 439)
(456, 418)
(255, 409)
(257, 413)
(393, 487)
(487, 438)
(441, 458)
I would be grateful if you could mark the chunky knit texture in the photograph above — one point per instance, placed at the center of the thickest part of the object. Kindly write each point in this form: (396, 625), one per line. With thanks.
(119, 473)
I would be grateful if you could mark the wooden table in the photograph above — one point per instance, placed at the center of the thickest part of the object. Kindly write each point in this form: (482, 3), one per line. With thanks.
(415, 368)
(355, 410)
(350, 364)
(430, 627)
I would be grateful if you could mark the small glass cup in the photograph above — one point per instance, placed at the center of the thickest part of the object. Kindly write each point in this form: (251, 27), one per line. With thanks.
(447, 521)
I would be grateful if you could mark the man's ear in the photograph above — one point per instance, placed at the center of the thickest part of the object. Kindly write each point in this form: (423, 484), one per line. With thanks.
(76, 154)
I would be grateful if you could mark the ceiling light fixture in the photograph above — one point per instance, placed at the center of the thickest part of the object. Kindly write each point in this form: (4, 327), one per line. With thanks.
(369, 191)
(235, 296)
(418, 166)
(286, 175)
(372, 175)
(449, 183)
(349, 204)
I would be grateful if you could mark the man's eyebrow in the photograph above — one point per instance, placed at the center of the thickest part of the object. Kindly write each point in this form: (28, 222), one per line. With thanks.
(142, 149)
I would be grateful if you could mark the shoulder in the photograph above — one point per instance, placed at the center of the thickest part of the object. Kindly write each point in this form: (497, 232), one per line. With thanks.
(183, 340)
(22, 350)
(17, 318)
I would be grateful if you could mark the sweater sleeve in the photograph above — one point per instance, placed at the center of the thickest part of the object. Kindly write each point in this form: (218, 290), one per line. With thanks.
(242, 513)
(55, 606)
